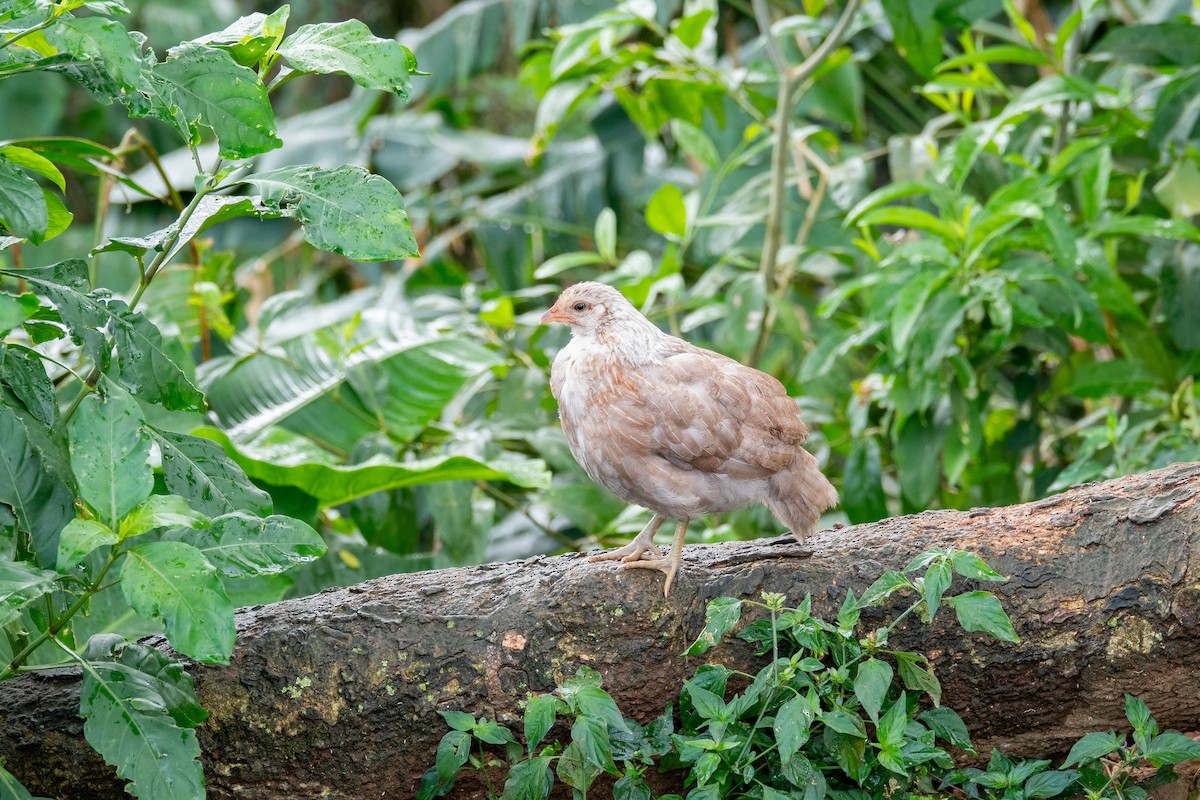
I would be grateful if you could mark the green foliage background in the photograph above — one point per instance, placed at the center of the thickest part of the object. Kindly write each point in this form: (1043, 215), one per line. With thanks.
(961, 236)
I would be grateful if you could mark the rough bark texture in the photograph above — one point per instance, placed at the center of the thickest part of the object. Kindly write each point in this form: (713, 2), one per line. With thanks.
(335, 695)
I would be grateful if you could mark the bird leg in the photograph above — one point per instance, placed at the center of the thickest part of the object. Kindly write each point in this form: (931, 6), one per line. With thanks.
(669, 565)
(642, 543)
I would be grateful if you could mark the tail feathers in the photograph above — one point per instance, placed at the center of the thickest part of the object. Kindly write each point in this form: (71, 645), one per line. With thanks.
(799, 494)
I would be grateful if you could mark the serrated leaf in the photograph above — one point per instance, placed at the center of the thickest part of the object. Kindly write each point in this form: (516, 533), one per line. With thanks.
(173, 582)
(130, 719)
(80, 537)
(350, 48)
(213, 90)
(345, 210)
(871, 685)
(721, 616)
(981, 611)
(241, 545)
(200, 471)
(110, 453)
(41, 501)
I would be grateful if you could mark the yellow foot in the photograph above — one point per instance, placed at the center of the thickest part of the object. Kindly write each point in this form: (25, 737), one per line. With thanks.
(669, 565)
(634, 551)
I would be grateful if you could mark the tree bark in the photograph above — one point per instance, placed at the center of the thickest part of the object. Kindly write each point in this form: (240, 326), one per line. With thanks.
(336, 694)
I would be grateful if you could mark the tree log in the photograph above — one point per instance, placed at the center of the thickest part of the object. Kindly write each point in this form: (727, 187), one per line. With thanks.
(335, 695)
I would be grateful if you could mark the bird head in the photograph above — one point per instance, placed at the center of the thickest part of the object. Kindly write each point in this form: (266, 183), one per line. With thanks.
(588, 306)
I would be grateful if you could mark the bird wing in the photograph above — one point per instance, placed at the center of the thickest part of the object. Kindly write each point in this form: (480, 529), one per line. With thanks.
(715, 415)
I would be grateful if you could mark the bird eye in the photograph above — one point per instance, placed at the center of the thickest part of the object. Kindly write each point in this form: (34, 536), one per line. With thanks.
(580, 306)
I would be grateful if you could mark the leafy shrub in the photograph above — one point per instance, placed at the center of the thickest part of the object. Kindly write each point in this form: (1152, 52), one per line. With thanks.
(834, 713)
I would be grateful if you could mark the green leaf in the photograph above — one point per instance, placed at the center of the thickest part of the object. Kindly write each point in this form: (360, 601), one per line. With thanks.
(792, 724)
(1092, 747)
(1153, 227)
(173, 582)
(565, 261)
(890, 731)
(883, 587)
(1171, 747)
(530, 779)
(863, 497)
(917, 33)
(161, 511)
(871, 685)
(1050, 783)
(351, 49)
(214, 91)
(1115, 378)
(289, 464)
(590, 734)
(667, 212)
(11, 788)
(248, 39)
(241, 545)
(23, 210)
(110, 453)
(910, 307)
(632, 787)
(41, 501)
(696, 143)
(973, 567)
(138, 711)
(917, 451)
(937, 581)
(452, 752)
(34, 162)
(707, 704)
(1138, 714)
(1161, 44)
(606, 235)
(20, 585)
(540, 714)
(574, 770)
(345, 210)
(80, 537)
(947, 726)
(917, 675)
(721, 616)
(491, 732)
(842, 722)
(981, 611)
(914, 218)
(15, 309)
(458, 720)
(200, 471)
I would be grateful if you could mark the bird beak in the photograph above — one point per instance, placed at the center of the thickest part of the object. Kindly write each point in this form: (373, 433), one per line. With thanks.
(555, 314)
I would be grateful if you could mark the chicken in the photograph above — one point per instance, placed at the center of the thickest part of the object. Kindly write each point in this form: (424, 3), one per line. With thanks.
(675, 428)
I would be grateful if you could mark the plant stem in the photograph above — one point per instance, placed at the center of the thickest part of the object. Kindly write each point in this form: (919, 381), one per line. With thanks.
(790, 81)
(53, 629)
(16, 37)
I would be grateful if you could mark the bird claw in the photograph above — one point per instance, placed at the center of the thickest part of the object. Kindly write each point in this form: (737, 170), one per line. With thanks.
(667, 566)
(628, 554)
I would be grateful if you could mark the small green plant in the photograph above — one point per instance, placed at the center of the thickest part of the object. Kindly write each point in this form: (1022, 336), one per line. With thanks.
(836, 712)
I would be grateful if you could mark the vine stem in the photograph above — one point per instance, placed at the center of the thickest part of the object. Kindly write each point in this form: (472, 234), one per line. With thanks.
(790, 81)
(53, 629)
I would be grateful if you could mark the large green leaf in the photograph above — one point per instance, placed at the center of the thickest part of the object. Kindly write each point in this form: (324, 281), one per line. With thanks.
(11, 788)
(390, 376)
(345, 210)
(172, 581)
(241, 545)
(23, 210)
(110, 453)
(198, 470)
(20, 584)
(350, 48)
(283, 459)
(80, 537)
(24, 373)
(39, 499)
(138, 711)
(214, 91)
(917, 31)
